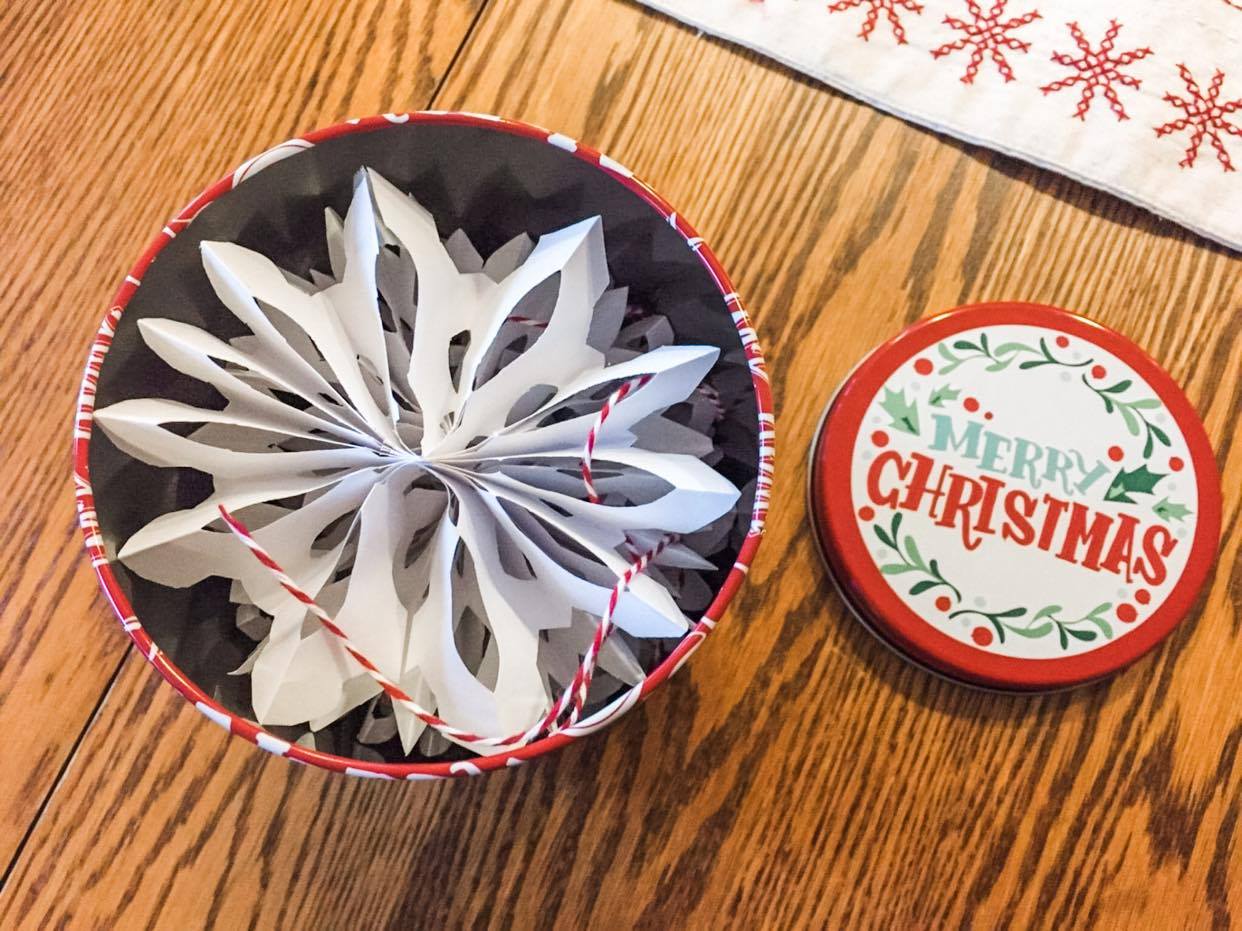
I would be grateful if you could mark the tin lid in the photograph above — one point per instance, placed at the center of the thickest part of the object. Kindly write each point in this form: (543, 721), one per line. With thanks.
(1015, 496)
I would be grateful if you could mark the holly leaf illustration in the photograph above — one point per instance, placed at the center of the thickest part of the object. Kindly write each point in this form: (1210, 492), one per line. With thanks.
(904, 414)
(942, 394)
(1136, 481)
(1168, 510)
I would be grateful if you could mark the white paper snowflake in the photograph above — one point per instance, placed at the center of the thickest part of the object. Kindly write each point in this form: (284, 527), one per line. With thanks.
(404, 437)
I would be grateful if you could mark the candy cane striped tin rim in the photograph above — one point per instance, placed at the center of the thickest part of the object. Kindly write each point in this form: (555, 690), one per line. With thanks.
(508, 757)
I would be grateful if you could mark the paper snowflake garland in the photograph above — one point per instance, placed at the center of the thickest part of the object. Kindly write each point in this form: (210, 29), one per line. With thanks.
(404, 437)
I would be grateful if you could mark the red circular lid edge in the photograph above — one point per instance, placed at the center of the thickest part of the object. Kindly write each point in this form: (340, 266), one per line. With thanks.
(843, 544)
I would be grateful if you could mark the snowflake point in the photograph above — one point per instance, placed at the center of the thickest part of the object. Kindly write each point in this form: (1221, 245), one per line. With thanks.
(987, 36)
(874, 8)
(1204, 115)
(1096, 69)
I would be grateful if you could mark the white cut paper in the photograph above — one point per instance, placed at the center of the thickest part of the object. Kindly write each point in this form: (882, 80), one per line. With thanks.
(404, 436)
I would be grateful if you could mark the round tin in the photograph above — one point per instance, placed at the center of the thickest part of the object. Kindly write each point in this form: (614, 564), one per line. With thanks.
(269, 193)
(1015, 497)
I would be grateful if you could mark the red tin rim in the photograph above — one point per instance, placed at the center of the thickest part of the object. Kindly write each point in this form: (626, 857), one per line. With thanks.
(235, 724)
(843, 545)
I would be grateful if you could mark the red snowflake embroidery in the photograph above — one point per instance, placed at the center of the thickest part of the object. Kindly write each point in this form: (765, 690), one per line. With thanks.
(1097, 68)
(987, 35)
(889, 7)
(1204, 116)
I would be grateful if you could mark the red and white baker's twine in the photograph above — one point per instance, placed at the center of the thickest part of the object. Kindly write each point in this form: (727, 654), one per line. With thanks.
(573, 699)
(588, 449)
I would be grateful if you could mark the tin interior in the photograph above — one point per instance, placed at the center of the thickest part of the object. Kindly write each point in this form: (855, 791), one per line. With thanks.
(489, 183)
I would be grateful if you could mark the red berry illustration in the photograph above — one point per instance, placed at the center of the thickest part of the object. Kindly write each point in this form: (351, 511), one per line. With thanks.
(923, 366)
(1176, 464)
(987, 415)
(1115, 453)
(981, 636)
(1063, 341)
(879, 438)
(1142, 596)
(971, 405)
(1097, 371)
(943, 603)
(866, 513)
(1126, 614)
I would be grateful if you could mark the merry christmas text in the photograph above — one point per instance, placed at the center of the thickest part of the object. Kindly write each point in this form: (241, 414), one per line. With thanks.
(984, 505)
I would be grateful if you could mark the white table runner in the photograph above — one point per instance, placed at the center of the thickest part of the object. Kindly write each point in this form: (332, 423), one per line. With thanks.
(1142, 98)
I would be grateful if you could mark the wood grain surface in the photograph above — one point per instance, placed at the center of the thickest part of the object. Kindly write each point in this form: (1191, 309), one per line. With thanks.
(119, 113)
(795, 773)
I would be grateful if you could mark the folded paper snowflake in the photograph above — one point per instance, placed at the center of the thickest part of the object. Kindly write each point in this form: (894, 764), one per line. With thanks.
(405, 437)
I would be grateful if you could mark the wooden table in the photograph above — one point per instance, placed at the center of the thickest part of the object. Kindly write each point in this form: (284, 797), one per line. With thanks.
(795, 774)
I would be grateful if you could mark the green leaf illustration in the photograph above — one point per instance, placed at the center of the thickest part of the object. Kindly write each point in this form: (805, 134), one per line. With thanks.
(897, 568)
(998, 619)
(1044, 621)
(1012, 612)
(1136, 481)
(1154, 432)
(1008, 349)
(1168, 510)
(910, 559)
(942, 394)
(1033, 633)
(905, 414)
(1105, 628)
(912, 551)
(1132, 414)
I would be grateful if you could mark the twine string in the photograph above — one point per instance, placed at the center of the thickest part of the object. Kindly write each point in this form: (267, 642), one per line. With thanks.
(573, 699)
